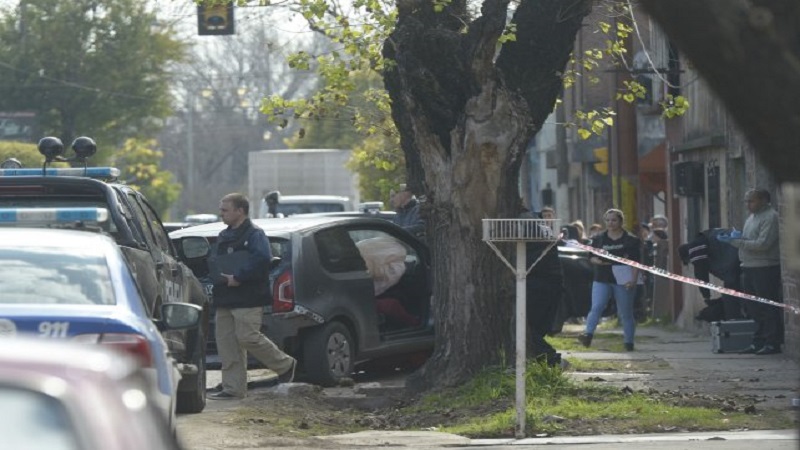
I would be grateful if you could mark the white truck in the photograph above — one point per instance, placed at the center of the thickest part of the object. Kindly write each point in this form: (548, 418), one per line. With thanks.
(301, 172)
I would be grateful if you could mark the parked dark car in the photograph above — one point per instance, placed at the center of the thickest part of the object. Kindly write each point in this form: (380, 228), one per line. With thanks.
(138, 231)
(328, 310)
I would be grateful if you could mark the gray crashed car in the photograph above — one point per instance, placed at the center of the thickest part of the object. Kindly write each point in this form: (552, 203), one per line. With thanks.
(346, 290)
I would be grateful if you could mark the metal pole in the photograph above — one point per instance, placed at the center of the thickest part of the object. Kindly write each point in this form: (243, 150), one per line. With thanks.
(521, 334)
(190, 151)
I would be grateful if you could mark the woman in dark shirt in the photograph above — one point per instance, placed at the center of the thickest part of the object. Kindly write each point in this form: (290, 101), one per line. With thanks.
(609, 280)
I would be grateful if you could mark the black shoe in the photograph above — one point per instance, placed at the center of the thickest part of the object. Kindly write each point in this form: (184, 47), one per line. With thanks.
(217, 388)
(628, 347)
(288, 376)
(769, 350)
(585, 339)
(222, 395)
(749, 350)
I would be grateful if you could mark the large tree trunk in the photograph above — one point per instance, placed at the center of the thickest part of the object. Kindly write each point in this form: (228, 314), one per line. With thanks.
(749, 53)
(466, 116)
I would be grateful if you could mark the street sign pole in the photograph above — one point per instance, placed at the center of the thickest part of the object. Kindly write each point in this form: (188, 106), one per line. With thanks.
(520, 231)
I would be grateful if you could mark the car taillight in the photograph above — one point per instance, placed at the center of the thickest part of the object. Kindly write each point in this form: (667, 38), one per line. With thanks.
(283, 293)
(133, 344)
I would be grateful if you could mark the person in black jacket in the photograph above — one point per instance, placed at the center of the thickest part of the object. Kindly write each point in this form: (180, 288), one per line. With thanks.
(240, 297)
(544, 289)
(709, 256)
(611, 278)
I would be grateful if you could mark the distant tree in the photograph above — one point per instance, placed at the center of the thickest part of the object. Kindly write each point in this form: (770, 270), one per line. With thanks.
(140, 161)
(85, 67)
(220, 90)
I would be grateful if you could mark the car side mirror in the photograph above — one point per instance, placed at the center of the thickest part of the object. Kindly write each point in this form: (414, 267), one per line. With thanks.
(194, 247)
(179, 316)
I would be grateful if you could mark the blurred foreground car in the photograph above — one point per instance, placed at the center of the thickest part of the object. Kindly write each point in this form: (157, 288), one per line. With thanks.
(346, 290)
(67, 396)
(76, 285)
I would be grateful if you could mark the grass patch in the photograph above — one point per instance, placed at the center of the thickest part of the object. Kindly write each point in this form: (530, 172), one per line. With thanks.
(485, 407)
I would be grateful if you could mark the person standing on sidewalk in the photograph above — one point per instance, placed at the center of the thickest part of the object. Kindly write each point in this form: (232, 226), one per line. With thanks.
(608, 278)
(544, 287)
(760, 257)
(240, 297)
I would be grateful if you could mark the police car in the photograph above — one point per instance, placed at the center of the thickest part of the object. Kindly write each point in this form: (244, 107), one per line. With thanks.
(136, 228)
(76, 286)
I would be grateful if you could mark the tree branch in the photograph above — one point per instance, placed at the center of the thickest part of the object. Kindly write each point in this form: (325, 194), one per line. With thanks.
(545, 38)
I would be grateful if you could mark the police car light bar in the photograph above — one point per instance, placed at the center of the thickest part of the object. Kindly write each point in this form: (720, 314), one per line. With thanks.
(52, 215)
(90, 172)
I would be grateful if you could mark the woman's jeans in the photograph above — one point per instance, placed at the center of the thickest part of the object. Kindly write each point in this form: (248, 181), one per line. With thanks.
(601, 292)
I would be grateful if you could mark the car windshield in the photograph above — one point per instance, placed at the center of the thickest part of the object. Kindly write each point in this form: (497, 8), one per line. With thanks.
(34, 275)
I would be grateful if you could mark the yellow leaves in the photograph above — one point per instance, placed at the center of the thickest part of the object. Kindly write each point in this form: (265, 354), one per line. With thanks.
(439, 5)
(674, 106)
(509, 34)
(592, 122)
(632, 90)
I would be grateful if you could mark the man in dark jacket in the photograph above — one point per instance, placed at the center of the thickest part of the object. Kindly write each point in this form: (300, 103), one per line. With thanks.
(407, 207)
(710, 256)
(240, 297)
(544, 290)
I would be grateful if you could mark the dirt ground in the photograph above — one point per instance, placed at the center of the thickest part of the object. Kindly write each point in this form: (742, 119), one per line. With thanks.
(291, 417)
(674, 367)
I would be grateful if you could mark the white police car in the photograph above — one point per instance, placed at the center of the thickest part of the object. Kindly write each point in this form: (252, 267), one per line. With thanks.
(74, 285)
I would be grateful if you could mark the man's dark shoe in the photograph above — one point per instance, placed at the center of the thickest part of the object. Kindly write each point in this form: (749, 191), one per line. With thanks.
(585, 339)
(628, 347)
(769, 350)
(288, 376)
(217, 388)
(749, 350)
(222, 395)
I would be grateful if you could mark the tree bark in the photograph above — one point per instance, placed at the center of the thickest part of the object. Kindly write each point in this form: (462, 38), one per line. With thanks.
(465, 116)
(749, 53)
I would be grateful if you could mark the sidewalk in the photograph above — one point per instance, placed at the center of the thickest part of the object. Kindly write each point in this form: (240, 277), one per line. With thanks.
(686, 364)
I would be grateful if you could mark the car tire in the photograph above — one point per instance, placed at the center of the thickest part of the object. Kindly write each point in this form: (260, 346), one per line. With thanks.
(193, 399)
(329, 354)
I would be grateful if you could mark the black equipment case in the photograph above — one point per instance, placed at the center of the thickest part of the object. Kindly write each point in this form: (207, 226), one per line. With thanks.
(731, 336)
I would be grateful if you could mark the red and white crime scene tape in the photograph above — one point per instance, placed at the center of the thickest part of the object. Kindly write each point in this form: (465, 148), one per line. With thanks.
(681, 278)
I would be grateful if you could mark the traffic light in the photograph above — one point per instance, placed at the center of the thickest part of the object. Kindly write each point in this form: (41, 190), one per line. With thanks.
(215, 20)
(601, 163)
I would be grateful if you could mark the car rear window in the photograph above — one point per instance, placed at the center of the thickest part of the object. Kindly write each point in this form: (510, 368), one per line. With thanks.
(35, 421)
(38, 275)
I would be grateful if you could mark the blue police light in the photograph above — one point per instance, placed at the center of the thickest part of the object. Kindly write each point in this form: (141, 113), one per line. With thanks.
(89, 172)
(52, 215)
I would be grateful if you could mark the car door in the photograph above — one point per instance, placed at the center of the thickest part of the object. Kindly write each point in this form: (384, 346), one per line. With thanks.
(401, 272)
(168, 273)
(333, 280)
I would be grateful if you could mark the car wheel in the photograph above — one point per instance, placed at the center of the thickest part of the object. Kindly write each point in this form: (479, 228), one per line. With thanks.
(329, 354)
(192, 389)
